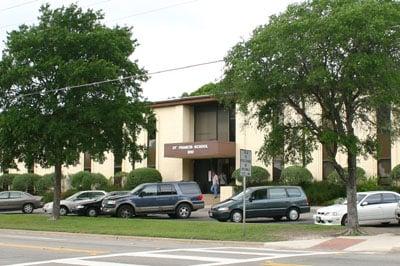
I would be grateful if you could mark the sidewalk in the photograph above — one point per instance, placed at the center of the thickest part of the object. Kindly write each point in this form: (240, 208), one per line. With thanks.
(375, 243)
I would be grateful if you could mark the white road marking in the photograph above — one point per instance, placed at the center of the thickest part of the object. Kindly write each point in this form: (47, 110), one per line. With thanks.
(94, 263)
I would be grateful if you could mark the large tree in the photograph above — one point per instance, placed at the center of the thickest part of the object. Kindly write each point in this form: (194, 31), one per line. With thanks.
(331, 65)
(44, 117)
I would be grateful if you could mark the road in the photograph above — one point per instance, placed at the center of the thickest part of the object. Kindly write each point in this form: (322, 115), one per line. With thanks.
(37, 248)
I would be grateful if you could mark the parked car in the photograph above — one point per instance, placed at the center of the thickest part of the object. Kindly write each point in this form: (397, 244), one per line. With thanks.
(177, 199)
(92, 208)
(69, 204)
(373, 207)
(18, 200)
(267, 201)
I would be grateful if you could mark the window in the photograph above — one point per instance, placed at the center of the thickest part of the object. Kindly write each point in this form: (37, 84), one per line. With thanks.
(4, 195)
(87, 162)
(277, 165)
(117, 164)
(189, 188)
(96, 194)
(374, 199)
(84, 195)
(277, 193)
(384, 142)
(293, 192)
(166, 189)
(148, 191)
(15, 195)
(389, 198)
(260, 194)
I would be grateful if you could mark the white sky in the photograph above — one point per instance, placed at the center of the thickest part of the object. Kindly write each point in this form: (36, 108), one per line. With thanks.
(188, 33)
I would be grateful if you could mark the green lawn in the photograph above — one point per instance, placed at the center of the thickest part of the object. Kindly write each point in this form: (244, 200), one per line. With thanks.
(167, 228)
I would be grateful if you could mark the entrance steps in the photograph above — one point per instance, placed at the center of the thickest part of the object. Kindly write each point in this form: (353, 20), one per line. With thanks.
(210, 200)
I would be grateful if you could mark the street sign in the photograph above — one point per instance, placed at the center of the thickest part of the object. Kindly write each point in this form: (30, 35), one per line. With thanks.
(245, 163)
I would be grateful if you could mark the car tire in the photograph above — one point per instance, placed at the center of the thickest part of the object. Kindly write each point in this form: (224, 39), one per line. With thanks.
(64, 211)
(28, 208)
(277, 218)
(125, 211)
(344, 220)
(92, 212)
(183, 211)
(172, 215)
(237, 216)
(293, 214)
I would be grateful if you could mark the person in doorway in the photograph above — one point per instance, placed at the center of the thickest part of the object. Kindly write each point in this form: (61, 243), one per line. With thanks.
(215, 185)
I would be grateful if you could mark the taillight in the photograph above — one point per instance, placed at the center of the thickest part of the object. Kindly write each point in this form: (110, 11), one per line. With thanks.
(200, 197)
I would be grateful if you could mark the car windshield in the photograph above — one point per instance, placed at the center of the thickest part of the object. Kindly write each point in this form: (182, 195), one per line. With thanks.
(240, 195)
(70, 198)
(360, 197)
(136, 189)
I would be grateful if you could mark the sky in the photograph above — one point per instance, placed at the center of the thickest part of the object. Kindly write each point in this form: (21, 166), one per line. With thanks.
(170, 33)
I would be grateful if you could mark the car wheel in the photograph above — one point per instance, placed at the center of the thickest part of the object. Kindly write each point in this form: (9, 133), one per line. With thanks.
(277, 218)
(172, 215)
(344, 221)
(63, 210)
(183, 211)
(293, 214)
(125, 211)
(92, 212)
(28, 208)
(237, 216)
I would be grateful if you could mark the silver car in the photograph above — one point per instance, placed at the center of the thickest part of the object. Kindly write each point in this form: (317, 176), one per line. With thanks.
(69, 204)
(18, 200)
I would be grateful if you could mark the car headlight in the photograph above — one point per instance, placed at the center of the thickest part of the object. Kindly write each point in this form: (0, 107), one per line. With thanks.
(111, 202)
(223, 209)
(80, 207)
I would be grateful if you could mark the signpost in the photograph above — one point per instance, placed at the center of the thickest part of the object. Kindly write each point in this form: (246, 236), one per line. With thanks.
(245, 171)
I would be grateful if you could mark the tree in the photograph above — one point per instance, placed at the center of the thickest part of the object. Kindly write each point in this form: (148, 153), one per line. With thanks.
(45, 119)
(332, 65)
(207, 89)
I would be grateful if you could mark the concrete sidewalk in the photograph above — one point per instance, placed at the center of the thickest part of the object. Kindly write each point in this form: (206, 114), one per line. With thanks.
(375, 243)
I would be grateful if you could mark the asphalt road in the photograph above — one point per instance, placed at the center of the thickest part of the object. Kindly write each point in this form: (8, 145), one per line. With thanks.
(36, 248)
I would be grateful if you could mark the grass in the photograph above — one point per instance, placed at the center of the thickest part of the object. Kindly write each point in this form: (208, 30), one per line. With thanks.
(167, 228)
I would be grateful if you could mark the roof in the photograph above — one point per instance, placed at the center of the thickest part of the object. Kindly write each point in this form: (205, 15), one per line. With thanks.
(184, 101)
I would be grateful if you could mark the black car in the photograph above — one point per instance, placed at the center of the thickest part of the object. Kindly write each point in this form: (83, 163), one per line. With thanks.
(269, 201)
(93, 208)
(177, 199)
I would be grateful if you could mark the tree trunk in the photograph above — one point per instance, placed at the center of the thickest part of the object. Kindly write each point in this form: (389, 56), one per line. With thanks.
(57, 191)
(353, 226)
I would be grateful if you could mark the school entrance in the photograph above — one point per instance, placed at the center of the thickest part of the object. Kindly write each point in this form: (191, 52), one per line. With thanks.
(204, 168)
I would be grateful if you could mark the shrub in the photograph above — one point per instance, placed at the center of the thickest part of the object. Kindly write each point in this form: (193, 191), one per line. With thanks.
(119, 179)
(86, 181)
(395, 174)
(44, 184)
(68, 193)
(334, 178)
(370, 184)
(25, 182)
(48, 197)
(259, 176)
(323, 193)
(385, 181)
(142, 175)
(296, 175)
(6, 181)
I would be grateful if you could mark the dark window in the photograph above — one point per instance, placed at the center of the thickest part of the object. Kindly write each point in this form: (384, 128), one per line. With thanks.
(293, 192)
(85, 195)
(149, 190)
(384, 142)
(277, 165)
(389, 198)
(189, 188)
(223, 124)
(374, 199)
(117, 164)
(232, 124)
(260, 194)
(96, 194)
(4, 195)
(277, 193)
(166, 189)
(15, 195)
(87, 162)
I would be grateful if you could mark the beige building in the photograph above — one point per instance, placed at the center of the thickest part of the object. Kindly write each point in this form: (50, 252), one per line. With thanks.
(196, 136)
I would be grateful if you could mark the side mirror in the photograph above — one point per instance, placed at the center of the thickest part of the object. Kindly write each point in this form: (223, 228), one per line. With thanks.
(141, 194)
(251, 198)
(365, 203)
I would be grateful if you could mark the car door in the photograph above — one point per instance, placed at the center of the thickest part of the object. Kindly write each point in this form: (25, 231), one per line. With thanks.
(16, 200)
(389, 205)
(167, 197)
(146, 201)
(278, 202)
(4, 198)
(257, 203)
(370, 209)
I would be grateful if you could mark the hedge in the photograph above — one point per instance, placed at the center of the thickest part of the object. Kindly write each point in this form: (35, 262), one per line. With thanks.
(323, 193)
(86, 181)
(296, 175)
(25, 182)
(44, 184)
(334, 178)
(395, 174)
(259, 176)
(6, 181)
(142, 175)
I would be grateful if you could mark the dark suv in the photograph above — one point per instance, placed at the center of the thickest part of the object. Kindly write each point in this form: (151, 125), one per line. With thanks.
(272, 201)
(177, 199)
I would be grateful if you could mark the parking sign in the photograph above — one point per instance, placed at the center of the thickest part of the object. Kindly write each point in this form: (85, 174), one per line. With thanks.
(245, 162)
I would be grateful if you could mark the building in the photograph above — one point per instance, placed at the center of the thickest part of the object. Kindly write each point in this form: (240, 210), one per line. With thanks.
(196, 136)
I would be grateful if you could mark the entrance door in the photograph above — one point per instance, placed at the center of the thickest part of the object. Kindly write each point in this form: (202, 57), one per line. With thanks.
(201, 168)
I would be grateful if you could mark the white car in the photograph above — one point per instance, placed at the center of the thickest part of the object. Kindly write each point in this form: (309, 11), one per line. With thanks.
(398, 213)
(373, 207)
(69, 204)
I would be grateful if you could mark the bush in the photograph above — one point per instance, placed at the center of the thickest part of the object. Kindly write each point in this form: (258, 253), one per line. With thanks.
(25, 182)
(385, 181)
(370, 184)
(395, 174)
(142, 175)
(48, 197)
(44, 184)
(86, 181)
(259, 176)
(6, 181)
(68, 193)
(323, 193)
(334, 178)
(119, 179)
(296, 175)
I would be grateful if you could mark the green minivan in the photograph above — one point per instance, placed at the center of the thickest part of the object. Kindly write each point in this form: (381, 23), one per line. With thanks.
(267, 201)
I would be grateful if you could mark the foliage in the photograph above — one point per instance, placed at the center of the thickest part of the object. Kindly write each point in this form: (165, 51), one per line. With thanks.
(69, 193)
(334, 177)
(119, 179)
(259, 176)
(6, 181)
(323, 193)
(296, 175)
(142, 175)
(25, 182)
(44, 184)
(385, 181)
(86, 181)
(395, 174)
(207, 89)
(370, 184)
